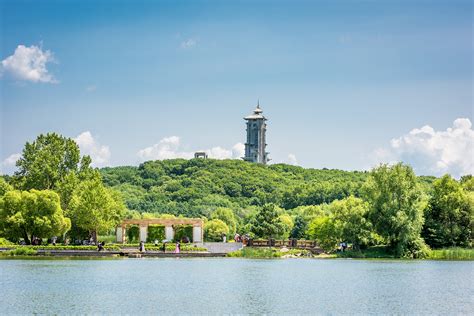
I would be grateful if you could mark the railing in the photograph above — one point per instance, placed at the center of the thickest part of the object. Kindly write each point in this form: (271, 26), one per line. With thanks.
(292, 243)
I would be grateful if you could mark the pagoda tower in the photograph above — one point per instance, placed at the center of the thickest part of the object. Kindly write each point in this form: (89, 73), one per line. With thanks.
(255, 146)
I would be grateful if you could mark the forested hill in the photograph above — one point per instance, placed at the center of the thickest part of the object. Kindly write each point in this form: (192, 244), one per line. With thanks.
(196, 187)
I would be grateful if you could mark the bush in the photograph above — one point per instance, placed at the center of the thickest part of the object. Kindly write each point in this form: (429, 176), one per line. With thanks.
(22, 251)
(155, 232)
(214, 229)
(5, 242)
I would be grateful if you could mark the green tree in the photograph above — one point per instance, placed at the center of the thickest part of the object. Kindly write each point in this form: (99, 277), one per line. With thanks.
(350, 217)
(28, 214)
(396, 206)
(299, 228)
(47, 161)
(227, 216)
(214, 229)
(325, 232)
(266, 223)
(4, 187)
(449, 215)
(95, 208)
(287, 223)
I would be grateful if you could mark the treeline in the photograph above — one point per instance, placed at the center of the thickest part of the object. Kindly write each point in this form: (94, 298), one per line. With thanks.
(55, 191)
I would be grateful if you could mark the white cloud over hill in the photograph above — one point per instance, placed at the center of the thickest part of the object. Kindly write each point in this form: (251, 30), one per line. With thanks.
(170, 147)
(432, 152)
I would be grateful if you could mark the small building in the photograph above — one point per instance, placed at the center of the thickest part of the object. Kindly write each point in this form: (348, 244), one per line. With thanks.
(255, 146)
(200, 154)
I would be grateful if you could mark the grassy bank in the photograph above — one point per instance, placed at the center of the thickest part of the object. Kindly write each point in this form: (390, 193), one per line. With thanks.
(452, 254)
(267, 253)
(381, 252)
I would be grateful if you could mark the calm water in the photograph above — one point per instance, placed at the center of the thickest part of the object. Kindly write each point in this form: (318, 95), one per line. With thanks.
(190, 286)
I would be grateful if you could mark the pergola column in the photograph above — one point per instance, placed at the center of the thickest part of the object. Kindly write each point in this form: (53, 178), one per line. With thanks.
(143, 232)
(119, 234)
(169, 233)
(197, 234)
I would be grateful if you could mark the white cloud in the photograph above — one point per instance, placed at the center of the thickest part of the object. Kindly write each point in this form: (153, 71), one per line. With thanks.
(88, 145)
(11, 160)
(29, 63)
(434, 152)
(189, 43)
(170, 148)
(292, 160)
(8, 164)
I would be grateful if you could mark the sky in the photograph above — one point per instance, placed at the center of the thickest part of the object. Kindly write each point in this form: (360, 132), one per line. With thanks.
(344, 84)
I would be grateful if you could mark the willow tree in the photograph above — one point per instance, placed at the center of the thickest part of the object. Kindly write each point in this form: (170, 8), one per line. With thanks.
(396, 205)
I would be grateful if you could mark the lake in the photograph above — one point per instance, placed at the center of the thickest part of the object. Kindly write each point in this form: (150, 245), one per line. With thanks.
(227, 285)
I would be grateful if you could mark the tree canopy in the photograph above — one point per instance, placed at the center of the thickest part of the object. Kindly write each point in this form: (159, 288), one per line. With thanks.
(34, 213)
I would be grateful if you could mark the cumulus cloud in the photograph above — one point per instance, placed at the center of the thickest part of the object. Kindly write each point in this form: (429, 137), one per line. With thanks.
(188, 43)
(432, 152)
(292, 160)
(100, 154)
(29, 64)
(8, 164)
(170, 148)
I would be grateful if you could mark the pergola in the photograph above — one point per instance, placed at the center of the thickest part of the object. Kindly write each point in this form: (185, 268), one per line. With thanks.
(168, 223)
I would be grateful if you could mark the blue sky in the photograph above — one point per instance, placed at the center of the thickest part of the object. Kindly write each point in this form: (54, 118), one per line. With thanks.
(344, 84)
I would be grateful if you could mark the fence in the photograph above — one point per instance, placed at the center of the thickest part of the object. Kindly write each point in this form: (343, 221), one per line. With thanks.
(292, 243)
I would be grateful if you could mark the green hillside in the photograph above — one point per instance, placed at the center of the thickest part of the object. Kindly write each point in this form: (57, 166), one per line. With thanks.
(196, 187)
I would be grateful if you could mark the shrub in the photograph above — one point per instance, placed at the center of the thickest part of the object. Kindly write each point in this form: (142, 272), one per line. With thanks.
(214, 229)
(5, 242)
(22, 251)
(155, 232)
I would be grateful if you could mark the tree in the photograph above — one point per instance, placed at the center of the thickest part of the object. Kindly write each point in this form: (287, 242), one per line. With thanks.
(299, 228)
(448, 217)
(350, 216)
(287, 223)
(396, 206)
(28, 214)
(214, 229)
(227, 216)
(4, 187)
(325, 232)
(47, 161)
(95, 208)
(266, 223)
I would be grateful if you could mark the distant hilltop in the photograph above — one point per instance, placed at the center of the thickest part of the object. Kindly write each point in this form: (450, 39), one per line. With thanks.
(196, 186)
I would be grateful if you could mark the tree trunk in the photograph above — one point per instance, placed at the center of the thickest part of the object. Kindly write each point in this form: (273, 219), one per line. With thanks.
(25, 237)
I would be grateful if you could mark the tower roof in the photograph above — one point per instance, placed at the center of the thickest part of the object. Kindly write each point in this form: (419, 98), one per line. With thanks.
(257, 113)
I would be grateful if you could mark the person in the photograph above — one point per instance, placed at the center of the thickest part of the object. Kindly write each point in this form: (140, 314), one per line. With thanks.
(54, 240)
(156, 242)
(237, 238)
(142, 246)
(100, 246)
(163, 247)
(177, 249)
(224, 237)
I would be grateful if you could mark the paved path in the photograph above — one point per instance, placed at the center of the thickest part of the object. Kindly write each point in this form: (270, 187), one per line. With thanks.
(220, 247)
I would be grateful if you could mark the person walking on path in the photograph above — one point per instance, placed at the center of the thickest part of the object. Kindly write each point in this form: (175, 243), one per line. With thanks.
(177, 249)
(142, 246)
